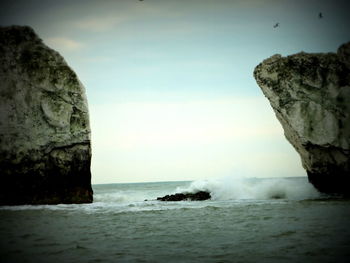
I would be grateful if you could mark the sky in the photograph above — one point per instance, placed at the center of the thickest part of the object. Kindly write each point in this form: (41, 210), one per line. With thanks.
(170, 83)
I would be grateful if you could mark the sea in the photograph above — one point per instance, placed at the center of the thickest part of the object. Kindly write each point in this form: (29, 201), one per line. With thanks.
(246, 220)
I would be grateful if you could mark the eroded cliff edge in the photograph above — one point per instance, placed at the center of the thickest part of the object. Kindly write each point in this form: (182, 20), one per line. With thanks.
(310, 94)
(45, 148)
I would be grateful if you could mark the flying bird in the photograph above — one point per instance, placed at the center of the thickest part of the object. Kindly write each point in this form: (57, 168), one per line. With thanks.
(276, 25)
(320, 15)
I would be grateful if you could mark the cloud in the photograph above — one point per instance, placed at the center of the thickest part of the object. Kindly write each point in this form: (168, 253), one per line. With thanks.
(169, 125)
(114, 14)
(63, 43)
(99, 24)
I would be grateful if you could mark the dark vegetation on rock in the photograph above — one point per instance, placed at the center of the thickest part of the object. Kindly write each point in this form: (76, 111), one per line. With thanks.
(310, 95)
(45, 148)
(199, 196)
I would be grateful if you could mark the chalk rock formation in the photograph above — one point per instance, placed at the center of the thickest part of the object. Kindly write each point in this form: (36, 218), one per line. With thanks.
(44, 124)
(310, 94)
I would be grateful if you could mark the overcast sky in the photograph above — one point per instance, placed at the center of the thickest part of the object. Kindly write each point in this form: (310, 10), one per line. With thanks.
(170, 82)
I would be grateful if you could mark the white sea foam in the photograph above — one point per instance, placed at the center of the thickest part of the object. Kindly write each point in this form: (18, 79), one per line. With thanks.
(116, 197)
(242, 188)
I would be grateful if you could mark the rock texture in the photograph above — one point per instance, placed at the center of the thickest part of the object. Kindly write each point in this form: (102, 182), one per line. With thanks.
(44, 124)
(310, 94)
(199, 196)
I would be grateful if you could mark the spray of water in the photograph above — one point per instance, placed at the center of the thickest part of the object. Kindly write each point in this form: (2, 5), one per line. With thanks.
(233, 188)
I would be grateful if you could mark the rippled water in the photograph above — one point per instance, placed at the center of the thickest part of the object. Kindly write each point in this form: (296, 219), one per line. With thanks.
(300, 226)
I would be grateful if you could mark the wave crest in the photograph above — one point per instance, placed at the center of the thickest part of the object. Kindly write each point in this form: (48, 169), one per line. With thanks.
(244, 188)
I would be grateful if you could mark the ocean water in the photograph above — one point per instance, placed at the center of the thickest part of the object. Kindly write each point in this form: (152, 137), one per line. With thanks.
(247, 220)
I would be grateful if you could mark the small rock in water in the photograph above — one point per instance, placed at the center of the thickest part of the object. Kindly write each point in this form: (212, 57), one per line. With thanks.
(199, 196)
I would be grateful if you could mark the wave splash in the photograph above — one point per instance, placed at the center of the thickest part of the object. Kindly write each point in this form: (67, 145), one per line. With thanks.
(251, 188)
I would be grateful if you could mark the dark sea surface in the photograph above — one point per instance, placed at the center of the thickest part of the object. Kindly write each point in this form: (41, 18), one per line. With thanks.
(255, 220)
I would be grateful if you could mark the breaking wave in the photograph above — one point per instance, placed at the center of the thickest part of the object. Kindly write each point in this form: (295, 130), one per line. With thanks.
(249, 188)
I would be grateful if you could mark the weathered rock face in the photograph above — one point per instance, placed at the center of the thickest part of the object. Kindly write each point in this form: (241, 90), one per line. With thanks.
(44, 124)
(310, 94)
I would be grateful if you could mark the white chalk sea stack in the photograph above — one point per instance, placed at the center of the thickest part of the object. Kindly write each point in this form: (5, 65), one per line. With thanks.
(45, 150)
(310, 95)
